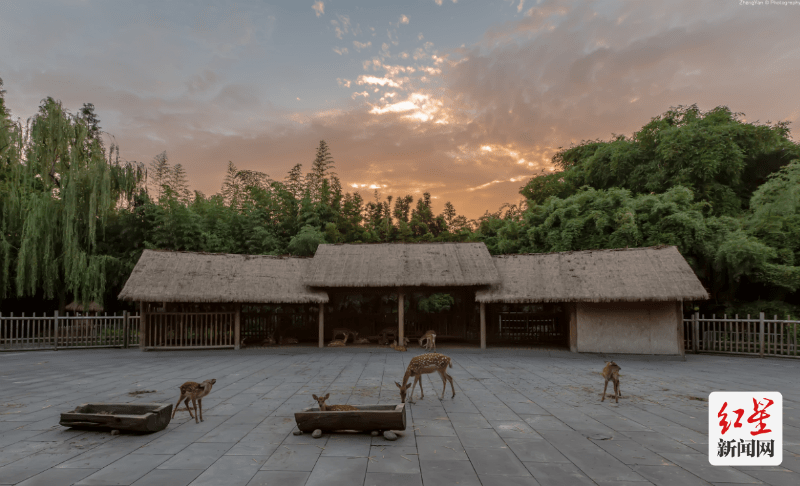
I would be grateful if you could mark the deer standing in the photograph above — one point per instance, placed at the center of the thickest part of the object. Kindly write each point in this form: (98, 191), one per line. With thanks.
(430, 340)
(332, 408)
(423, 364)
(611, 373)
(195, 392)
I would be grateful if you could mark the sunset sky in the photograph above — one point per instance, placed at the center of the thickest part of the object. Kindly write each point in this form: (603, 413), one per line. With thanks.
(464, 99)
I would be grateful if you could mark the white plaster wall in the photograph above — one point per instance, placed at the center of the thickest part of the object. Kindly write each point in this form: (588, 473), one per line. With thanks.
(628, 327)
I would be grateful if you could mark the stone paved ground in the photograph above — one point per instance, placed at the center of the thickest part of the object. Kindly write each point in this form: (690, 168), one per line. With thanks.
(520, 417)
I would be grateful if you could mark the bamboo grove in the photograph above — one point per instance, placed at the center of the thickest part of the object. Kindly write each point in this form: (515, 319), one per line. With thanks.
(74, 218)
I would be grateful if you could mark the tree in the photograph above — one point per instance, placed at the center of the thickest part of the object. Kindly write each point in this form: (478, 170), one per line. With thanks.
(160, 174)
(179, 183)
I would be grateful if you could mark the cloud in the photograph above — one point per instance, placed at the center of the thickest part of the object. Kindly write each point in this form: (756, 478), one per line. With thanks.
(379, 81)
(340, 50)
(361, 45)
(403, 19)
(342, 26)
(319, 8)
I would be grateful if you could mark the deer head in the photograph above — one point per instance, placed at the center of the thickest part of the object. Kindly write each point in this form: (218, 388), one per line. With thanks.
(403, 390)
(321, 401)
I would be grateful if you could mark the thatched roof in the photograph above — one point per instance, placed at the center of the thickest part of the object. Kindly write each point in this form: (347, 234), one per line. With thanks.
(402, 265)
(635, 274)
(166, 276)
(76, 306)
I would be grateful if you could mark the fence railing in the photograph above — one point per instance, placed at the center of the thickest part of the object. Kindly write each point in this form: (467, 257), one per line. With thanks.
(58, 332)
(189, 330)
(750, 336)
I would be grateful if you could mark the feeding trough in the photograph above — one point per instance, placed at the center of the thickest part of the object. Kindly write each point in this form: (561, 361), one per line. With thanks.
(134, 417)
(366, 419)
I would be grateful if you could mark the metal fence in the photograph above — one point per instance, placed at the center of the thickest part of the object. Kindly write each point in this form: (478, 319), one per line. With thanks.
(749, 336)
(59, 332)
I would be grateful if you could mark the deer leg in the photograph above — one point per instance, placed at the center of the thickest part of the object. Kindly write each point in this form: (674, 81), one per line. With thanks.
(200, 402)
(194, 403)
(451, 384)
(413, 385)
(604, 392)
(616, 391)
(176, 406)
(444, 382)
(619, 390)
(188, 407)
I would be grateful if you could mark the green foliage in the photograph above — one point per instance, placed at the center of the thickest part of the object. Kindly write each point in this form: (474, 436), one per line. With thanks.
(436, 303)
(306, 241)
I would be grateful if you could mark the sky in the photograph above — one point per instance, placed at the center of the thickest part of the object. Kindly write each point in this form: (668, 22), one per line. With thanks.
(464, 99)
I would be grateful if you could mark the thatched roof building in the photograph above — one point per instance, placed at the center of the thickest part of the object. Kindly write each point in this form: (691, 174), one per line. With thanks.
(76, 306)
(169, 276)
(635, 274)
(402, 265)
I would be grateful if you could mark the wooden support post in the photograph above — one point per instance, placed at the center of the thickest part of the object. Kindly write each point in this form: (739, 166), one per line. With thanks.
(681, 337)
(142, 325)
(321, 325)
(696, 332)
(761, 334)
(400, 326)
(238, 326)
(483, 325)
(55, 330)
(125, 331)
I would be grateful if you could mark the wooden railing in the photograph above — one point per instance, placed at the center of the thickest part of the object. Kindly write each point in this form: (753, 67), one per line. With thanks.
(58, 332)
(189, 330)
(748, 336)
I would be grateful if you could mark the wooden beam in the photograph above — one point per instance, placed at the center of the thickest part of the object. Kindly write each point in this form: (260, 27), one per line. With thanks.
(400, 325)
(142, 325)
(237, 326)
(483, 325)
(321, 325)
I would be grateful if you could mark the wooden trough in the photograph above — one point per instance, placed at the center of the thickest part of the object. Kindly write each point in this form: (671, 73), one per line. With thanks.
(366, 419)
(134, 417)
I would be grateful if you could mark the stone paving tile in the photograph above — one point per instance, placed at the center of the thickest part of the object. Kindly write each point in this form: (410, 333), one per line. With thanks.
(449, 472)
(125, 471)
(279, 478)
(58, 477)
(293, 458)
(487, 480)
(392, 479)
(558, 474)
(168, 477)
(336, 471)
(393, 460)
(441, 449)
(197, 456)
(496, 462)
(230, 471)
(540, 407)
(536, 450)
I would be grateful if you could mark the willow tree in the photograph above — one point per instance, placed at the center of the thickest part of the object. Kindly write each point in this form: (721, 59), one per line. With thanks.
(58, 185)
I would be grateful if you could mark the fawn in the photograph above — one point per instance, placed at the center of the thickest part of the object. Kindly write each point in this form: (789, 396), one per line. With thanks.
(386, 334)
(288, 340)
(423, 364)
(347, 333)
(194, 391)
(361, 341)
(332, 408)
(338, 343)
(396, 347)
(430, 340)
(611, 373)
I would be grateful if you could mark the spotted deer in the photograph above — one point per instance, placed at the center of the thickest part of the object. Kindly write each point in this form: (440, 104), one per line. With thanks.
(430, 340)
(396, 347)
(387, 334)
(288, 340)
(338, 343)
(361, 341)
(347, 333)
(611, 373)
(332, 408)
(424, 364)
(195, 392)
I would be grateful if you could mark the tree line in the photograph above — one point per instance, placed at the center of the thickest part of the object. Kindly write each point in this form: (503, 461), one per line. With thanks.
(75, 217)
